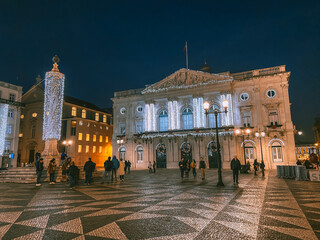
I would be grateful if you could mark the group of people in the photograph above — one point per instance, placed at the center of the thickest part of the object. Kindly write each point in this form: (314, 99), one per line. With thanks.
(185, 166)
(112, 167)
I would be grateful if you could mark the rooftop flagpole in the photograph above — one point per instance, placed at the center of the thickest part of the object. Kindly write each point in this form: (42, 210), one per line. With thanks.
(186, 49)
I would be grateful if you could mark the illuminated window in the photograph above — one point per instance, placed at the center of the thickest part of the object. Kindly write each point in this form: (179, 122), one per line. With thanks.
(87, 137)
(79, 148)
(211, 117)
(87, 148)
(100, 149)
(94, 138)
(74, 111)
(22, 116)
(97, 117)
(104, 118)
(94, 149)
(139, 154)
(73, 128)
(187, 118)
(276, 149)
(107, 139)
(80, 136)
(163, 120)
(101, 139)
(273, 117)
(84, 113)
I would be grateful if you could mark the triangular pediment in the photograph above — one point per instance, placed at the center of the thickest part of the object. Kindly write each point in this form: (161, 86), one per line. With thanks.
(34, 94)
(185, 78)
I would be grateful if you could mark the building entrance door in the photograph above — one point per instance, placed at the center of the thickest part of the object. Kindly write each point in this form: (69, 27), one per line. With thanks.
(212, 155)
(186, 151)
(161, 156)
(31, 156)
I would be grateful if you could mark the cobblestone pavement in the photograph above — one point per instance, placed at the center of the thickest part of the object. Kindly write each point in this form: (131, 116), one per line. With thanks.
(160, 206)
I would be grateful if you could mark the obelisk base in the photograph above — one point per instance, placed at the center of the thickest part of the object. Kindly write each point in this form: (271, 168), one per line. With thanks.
(50, 151)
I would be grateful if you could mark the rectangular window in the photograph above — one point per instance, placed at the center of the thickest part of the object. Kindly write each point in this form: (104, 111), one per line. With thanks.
(101, 139)
(94, 149)
(7, 145)
(94, 138)
(246, 119)
(273, 117)
(33, 132)
(104, 118)
(73, 128)
(84, 113)
(87, 137)
(9, 129)
(87, 148)
(139, 127)
(107, 139)
(12, 97)
(100, 149)
(74, 112)
(80, 136)
(10, 113)
(97, 117)
(79, 148)
(122, 129)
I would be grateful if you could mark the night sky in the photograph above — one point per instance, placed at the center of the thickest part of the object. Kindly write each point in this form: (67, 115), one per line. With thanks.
(108, 46)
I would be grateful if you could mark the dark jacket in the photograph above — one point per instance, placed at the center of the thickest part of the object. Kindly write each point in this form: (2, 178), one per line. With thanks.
(39, 165)
(73, 171)
(262, 166)
(51, 168)
(89, 166)
(235, 164)
(202, 164)
(182, 165)
(108, 165)
(115, 163)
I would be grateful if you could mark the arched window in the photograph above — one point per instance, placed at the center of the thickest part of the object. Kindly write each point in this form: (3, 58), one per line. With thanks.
(249, 151)
(139, 154)
(276, 149)
(122, 154)
(187, 118)
(211, 117)
(163, 120)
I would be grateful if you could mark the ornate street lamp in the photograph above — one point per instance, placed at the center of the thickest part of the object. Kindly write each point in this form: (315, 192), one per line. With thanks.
(206, 106)
(260, 135)
(67, 144)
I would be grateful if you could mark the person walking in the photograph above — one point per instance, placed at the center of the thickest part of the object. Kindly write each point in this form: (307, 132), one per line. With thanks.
(182, 166)
(115, 166)
(193, 166)
(121, 170)
(255, 166)
(89, 167)
(107, 170)
(154, 166)
(262, 166)
(39, 168)
(73, 174)
(235, 167)
(202, 166)
(51, 170)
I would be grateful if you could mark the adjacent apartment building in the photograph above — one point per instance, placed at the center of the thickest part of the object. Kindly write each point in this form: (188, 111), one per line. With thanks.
(10, 105)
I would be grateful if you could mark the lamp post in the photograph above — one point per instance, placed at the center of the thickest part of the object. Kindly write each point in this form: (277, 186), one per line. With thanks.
(242, 133)
(260, 135)
(206, 106)
(67, 144)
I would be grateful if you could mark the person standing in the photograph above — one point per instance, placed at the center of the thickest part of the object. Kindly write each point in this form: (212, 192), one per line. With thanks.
(202, 166)
(193, 166)
(51, 170)
(73, 173)
(115, 166)
(89, 167)
(38, 155)
(262, 166)
(150, 167)
(64, 167)
(121, 170)
(182, 166)
(235, 167)
(255, 166)
(187, 167)
(125, 166)
(39, 168)
(107, 170)
(154, 166)
(129, 166)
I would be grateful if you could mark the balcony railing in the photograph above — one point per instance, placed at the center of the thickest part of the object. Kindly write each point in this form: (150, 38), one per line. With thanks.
(242, 76)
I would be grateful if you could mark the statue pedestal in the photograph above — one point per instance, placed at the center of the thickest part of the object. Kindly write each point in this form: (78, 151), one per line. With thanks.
(50, 151)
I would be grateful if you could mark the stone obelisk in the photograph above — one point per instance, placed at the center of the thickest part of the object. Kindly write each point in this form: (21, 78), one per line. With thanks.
(52, 112)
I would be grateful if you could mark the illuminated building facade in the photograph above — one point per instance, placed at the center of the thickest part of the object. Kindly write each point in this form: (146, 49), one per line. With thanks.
(166, 121)
(10, 105)
(78, 118)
